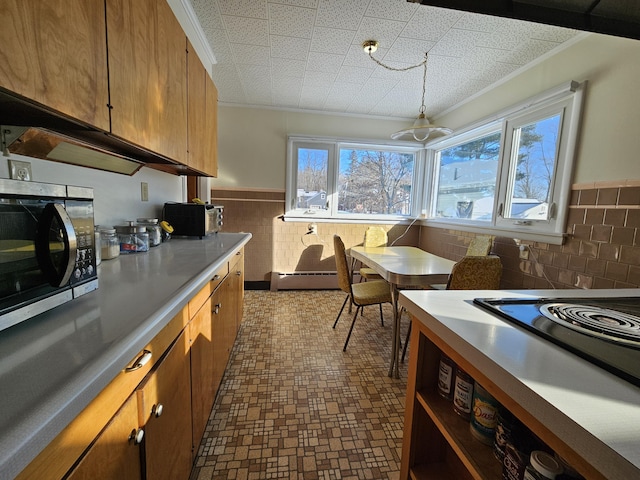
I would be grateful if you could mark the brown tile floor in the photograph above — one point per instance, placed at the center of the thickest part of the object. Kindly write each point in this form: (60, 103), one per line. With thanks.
(293, 405)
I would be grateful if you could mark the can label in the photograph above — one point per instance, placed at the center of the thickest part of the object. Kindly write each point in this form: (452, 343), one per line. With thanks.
(445, 378)
(485, 415)
(462, 394)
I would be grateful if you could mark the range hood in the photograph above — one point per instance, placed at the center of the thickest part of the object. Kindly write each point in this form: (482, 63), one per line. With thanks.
(33, 130)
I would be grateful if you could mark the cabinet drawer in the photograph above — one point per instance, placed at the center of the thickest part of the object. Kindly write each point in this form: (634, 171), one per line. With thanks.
(199, 298)
(58, 457)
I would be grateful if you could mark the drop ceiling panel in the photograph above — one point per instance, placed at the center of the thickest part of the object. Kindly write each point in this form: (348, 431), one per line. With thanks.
(307, 54)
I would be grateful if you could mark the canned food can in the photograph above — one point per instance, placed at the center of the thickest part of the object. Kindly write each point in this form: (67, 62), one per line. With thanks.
(504, 432)
(462, 393)
(445, 377)
(484, 415)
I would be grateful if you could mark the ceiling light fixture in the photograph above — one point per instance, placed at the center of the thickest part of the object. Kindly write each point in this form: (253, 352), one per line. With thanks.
(422, 128)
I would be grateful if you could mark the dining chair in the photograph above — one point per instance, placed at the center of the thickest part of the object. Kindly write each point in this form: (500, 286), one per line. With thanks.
(373, 237)
(471, 273)
(374, 292)
(480, 246)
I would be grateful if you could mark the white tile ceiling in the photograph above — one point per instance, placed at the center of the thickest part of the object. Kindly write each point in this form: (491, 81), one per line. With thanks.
(307, 54)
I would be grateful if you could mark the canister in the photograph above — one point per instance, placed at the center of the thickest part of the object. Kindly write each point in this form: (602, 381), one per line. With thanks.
(109, 243)
(542, 466)
(484, 415)
(462, 393)
(132, 238)
(154, 230)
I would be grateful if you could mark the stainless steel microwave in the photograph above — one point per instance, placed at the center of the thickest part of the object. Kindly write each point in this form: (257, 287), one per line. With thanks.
(47, 247)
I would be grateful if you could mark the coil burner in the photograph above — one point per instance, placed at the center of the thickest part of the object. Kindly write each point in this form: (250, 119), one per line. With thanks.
(604, 323)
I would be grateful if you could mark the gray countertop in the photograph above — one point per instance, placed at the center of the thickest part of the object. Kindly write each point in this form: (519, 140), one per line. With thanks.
(53, 365)
(593, 412)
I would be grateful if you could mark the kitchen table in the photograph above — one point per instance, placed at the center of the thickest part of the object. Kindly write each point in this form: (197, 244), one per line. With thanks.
(403, 267)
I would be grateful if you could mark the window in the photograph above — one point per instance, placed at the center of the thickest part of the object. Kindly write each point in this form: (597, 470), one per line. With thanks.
(513, 172)
(352, 180)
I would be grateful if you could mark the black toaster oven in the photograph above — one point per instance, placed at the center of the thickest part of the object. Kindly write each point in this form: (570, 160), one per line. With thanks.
(193, 219)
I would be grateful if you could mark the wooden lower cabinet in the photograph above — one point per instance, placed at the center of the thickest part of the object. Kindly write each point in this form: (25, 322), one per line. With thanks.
(115, 455)
(164, 408)
(203, 385)
(148, 423)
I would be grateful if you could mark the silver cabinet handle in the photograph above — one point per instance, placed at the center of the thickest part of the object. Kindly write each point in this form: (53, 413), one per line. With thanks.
(216, 277)
(216, 308)
(140, 362)
(136, 436)
(157, 410)
(239, 272)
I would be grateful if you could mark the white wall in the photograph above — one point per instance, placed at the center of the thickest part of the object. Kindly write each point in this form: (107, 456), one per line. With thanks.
(609, 144)
(252, 142)
(116, 197)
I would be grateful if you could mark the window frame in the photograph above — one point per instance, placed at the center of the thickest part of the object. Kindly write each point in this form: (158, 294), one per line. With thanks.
(566, 99)
(334, 146)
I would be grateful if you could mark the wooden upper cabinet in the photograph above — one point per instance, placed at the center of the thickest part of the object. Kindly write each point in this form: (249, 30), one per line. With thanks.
(148, 76)
(202, 116)
(211, 134)
(54, 52)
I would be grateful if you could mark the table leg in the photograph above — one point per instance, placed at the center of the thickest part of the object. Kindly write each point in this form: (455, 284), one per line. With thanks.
(394, 368)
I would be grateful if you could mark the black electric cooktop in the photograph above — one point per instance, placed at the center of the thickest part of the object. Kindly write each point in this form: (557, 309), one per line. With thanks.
(604, 330)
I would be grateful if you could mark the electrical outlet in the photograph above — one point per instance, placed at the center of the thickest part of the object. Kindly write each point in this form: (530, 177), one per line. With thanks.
(312, 229)
(524, 252)
(144, 191)
(19, 170)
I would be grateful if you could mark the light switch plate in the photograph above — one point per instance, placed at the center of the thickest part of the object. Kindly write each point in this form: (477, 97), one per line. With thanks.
(19, 170)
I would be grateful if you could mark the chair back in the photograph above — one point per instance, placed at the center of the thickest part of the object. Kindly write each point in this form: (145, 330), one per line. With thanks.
(480, 246)
(476, 273)
(342, 266)
(375, 237)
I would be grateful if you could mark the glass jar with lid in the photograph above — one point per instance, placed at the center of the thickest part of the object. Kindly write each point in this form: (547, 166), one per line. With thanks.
(109, 243)
(154, 230)
(133, 238)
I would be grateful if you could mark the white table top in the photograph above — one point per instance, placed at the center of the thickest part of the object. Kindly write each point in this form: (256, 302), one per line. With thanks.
(591, 410)
(405, 266)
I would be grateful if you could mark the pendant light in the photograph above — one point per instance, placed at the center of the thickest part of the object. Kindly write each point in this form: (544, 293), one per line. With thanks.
(422, 128)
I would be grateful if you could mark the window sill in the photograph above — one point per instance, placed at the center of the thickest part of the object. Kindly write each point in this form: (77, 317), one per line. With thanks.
(521, 234)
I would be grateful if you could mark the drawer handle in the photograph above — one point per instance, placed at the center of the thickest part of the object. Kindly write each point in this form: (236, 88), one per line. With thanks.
(136, 436)
(140, 362)
(156, 410)
(239, 272)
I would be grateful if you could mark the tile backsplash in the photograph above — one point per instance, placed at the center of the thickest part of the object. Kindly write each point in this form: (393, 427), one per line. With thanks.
(602, 248)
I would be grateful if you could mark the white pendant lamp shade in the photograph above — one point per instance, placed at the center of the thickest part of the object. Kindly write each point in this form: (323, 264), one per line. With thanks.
(422, 129)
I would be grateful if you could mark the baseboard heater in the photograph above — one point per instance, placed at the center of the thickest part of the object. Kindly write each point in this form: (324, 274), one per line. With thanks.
(305, 280)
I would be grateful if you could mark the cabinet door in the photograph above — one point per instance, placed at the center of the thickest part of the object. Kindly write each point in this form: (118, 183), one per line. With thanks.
(211, 129)
(203, 117)
(115, 455)
(55, 53)
(203, 390)
(220, 355)
(148, 76)
(164, 409)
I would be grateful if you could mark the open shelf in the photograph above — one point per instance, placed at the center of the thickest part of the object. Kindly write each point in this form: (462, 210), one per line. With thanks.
(476, 457)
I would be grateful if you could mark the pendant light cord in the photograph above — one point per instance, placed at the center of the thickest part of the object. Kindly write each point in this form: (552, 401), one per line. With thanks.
(423, 64)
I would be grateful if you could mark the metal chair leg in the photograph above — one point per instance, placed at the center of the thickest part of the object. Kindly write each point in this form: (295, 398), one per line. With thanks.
(344, 349)
(381, 319)
(343, 305)
(406, 342)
